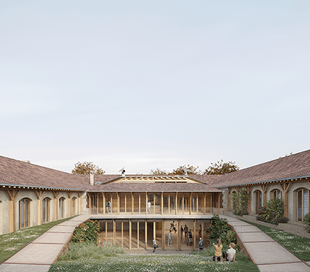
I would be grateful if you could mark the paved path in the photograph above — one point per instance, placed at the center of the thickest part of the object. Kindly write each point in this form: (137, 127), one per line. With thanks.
(43, 251)
(266, 252)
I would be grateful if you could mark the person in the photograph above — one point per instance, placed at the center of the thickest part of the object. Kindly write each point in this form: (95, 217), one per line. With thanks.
(169, 238)
(185, 230)
(155, 246)
(218, 250)
(182, 232)
(149, 207)
(190, 237)
(231, 252)
(108, 205)
(200, 244)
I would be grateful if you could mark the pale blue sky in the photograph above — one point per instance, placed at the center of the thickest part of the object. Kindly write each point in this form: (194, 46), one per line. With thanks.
(147, 84)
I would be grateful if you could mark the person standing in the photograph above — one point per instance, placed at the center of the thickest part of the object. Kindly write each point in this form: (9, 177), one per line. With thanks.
(200, 244)
(190, 237)
(182, 232)
(169, 238)
(149, 207)
(108, 205)
(155, 246)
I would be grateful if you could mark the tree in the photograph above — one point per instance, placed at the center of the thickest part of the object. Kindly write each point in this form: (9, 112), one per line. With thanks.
(191, 170)
(157, 171)
(87, 168)
(221, 168)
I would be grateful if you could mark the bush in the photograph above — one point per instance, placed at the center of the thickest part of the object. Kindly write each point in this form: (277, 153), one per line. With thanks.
(307, 222)
(272, 212)
(240, 202)
(219, 228)
(78, 251)
(88, 232)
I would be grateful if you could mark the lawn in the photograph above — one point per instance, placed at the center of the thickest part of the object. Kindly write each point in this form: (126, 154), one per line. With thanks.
(96, 259)
(300, 246)
(13, 242)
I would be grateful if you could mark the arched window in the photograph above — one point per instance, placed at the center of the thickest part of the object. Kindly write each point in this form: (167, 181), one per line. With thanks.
(46, 209)
(276, 194)
(302, 204)
(258, 200)
(24, 213)
(73, 206)
(61, 207)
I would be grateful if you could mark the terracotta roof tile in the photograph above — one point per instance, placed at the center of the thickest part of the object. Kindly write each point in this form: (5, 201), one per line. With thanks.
(295, 165)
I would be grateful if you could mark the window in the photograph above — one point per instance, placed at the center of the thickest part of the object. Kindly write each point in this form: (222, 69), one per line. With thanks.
(61, 207)
(46, 209)
(276, 194)
(258, 200)
(302, 204)
(24, 213)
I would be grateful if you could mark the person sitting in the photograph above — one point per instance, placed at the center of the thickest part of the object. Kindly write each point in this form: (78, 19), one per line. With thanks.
(218, 251)
(231, 252)
(200, 244)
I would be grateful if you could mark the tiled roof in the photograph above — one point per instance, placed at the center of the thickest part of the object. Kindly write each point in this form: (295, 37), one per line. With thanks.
(15, 172)
(292, 166)
(154, 187)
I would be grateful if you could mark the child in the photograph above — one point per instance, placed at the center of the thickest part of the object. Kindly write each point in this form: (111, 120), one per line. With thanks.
(155, 246)
(231, 253)
(218, 250)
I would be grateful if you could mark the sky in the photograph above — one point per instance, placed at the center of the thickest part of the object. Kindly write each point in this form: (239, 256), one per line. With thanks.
(153, 84)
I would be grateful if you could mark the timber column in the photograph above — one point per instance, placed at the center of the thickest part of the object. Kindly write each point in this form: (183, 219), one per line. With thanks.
(264, 189)
(39, 197)
(249, 199)
(12, 195)
(56, 194)
(285, 187)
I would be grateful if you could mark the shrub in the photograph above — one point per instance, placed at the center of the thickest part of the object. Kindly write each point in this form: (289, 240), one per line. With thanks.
(307, 222)
(272, 212)
(219, 228)
(78, 251)
(88, 232)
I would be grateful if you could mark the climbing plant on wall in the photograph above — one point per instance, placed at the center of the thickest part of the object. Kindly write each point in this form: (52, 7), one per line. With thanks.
(240, 201)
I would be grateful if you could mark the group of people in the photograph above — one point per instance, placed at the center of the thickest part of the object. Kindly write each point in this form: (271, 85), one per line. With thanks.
(220, 255)
(188, 235)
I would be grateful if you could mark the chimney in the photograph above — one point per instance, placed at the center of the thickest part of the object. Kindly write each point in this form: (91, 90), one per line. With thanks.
(92, 180)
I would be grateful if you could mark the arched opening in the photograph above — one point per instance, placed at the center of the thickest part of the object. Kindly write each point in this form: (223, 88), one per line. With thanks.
(302, 204)
(61, 207)
(73, 206)
(46, 206)
(258, 200)
(276, 194)
(24, 213)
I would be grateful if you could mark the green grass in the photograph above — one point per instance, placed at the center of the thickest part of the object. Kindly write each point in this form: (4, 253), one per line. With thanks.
(12, 242)
(111, 258)
(300, 246)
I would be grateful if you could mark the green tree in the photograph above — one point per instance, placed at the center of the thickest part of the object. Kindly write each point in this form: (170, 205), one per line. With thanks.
(221, 168)
(87, 168)
(157, 171)
(191, 170)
